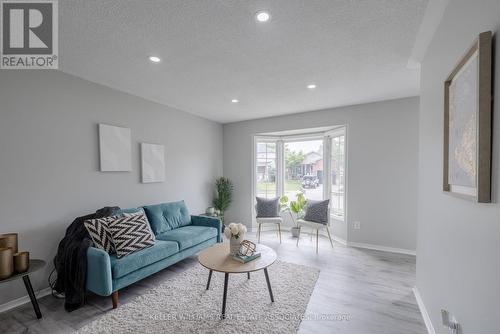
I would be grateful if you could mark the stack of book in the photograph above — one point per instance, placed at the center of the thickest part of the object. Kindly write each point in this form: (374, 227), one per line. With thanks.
(245, 258)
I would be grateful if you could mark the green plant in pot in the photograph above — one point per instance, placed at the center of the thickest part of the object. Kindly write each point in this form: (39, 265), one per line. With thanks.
(224, 196)
(295, 209)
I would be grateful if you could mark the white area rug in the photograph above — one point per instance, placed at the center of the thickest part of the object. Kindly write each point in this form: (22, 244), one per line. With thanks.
(182, 305)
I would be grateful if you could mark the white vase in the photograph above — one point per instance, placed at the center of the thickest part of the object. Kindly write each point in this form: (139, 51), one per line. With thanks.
(234, 245)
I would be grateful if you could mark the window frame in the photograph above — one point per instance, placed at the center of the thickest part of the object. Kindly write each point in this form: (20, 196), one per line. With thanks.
(278, 163)
(329, 135)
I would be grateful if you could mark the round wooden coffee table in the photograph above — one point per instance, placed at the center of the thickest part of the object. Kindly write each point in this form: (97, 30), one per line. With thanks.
(217, 258)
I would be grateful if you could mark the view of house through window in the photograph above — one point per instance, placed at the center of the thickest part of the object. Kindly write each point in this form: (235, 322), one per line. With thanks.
(286, 165)
(304, 169)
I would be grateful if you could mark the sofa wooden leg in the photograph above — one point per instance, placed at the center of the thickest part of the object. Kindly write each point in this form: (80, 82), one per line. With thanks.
(114, 299)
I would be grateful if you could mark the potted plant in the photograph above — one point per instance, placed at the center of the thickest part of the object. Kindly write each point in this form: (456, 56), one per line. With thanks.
(295, 209)
(224, 197)
(235, 232)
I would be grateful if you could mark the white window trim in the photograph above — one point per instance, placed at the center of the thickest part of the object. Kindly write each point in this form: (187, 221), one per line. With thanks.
(264, 139)
(330, 134)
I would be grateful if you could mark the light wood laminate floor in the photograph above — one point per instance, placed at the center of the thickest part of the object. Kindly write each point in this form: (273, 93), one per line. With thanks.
(373, 288)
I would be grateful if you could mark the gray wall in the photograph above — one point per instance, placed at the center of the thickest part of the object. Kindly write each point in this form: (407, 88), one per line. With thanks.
(49, 158)
(382, 167)
(458, 241)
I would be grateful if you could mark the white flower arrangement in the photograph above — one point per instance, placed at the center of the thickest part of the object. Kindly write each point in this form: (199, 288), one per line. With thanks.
(235, 230)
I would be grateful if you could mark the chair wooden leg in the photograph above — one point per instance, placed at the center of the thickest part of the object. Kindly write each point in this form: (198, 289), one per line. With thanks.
(298, 237)
(114, 299)
(258, 232)
(317, 236)
(329, 236)
(279, 230)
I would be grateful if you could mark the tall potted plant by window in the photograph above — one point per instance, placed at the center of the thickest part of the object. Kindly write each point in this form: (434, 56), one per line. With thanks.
(224, 196)
(295, 209)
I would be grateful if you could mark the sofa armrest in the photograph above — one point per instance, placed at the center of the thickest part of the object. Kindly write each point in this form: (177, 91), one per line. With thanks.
(210, 222)
(99, 279)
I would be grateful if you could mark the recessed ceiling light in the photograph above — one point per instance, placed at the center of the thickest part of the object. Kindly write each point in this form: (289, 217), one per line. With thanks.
(262, 16)
(235, 101)
(154, 59)
(311, 86)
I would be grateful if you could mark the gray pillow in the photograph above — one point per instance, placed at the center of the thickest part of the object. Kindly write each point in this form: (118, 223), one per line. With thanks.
(317, 211)
(267, 208)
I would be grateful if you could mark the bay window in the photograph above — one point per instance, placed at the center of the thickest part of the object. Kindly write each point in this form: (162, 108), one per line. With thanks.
(311, 163)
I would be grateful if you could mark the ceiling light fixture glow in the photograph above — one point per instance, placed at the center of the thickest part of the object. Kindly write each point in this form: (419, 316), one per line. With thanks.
(235, 101)
(311, 86)
(154, 59)
(262, 16)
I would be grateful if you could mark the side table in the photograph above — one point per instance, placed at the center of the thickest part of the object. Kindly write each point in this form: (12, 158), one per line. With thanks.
(34, 266)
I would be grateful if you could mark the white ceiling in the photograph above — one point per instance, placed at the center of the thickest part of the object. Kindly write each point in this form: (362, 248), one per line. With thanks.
(213, 51)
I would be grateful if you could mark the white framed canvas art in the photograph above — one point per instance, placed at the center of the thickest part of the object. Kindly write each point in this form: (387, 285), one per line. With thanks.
(153, 163)
(115, 148)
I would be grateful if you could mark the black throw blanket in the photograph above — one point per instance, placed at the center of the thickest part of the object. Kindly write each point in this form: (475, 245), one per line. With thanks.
(71, 259)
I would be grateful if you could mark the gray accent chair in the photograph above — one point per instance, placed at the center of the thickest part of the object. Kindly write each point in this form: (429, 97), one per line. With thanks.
(268, 220)
(315, 226)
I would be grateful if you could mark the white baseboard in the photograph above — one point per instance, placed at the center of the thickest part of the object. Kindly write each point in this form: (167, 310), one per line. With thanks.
(23, 300)
(339, 240)
(423, 311)
(381, 248)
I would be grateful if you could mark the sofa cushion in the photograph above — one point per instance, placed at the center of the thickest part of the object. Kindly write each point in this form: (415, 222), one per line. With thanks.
(160, 250)
(189, 236)
(167, 216)
(129, 211)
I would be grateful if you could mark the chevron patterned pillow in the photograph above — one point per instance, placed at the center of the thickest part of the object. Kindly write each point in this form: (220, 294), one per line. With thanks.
(130, 234)
(138, 213)
(100, 234)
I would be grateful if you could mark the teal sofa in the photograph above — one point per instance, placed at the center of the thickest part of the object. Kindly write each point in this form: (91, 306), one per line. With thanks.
(178, 235)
